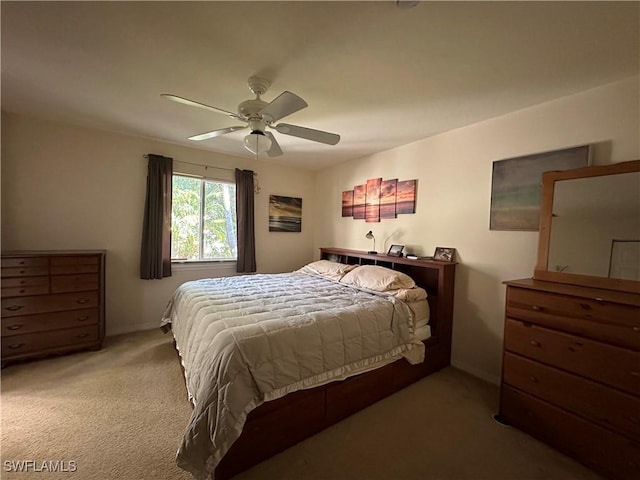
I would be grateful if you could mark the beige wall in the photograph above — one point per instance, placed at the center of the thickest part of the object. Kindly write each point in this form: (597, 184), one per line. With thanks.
(454, 194)
(65, 187)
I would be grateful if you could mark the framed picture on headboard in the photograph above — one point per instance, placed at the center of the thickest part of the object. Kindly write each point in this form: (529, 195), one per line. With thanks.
(445, 254)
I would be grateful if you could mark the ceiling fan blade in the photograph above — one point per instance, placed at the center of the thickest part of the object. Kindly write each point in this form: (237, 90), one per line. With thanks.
(284, 104)
(192, 103)
(275, 150)
(308, 133)
(216, 133)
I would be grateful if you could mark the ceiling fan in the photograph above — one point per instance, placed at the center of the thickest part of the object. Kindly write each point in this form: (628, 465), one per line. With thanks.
(260, 115)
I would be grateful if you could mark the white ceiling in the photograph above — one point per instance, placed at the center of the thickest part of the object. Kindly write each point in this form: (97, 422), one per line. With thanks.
(378, 75)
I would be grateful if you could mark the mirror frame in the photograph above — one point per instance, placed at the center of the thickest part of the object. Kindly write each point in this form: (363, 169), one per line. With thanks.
(541, 271)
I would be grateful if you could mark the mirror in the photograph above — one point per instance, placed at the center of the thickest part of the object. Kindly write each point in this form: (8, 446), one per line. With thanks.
(590, 227)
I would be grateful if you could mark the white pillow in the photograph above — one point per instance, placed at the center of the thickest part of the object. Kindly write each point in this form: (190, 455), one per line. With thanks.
(377, 278)
(409, 294)
(416, 298)
(327, 269)
(420, 311)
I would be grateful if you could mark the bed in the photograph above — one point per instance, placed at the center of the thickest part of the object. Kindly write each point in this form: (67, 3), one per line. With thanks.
(270, 359)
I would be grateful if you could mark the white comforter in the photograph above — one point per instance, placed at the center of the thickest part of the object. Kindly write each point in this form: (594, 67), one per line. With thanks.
(248, 339)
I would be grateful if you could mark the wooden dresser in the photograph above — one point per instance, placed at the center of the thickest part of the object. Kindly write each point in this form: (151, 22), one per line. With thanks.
(571, 371)
(52, 302)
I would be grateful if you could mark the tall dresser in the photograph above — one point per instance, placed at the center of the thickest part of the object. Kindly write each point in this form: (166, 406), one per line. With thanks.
(571, 358)
(52, 302)
(571, 371)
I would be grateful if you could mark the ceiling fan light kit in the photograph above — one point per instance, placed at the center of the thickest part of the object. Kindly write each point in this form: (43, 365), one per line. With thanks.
(260, 115)
(257, 142)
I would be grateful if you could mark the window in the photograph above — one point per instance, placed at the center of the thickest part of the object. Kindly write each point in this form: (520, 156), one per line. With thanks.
(203, 219)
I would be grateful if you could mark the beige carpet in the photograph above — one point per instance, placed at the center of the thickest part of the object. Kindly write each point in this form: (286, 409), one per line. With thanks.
(120, 413)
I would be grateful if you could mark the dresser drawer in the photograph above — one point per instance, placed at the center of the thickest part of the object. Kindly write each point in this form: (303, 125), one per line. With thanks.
(36, 342)
(49, 321)
(74, 283)
(614, 322)
(16, 306)
(22, 286)
(19, 262)
(615, 366)
(74, 264)
(615, 455)
(594, 401)
(24, 271)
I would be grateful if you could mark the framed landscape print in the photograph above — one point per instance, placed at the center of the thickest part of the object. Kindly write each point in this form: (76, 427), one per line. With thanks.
(378, 199)
(347, 203)
(285, 214)
(359, 201)
(388, 198)
(372, 210)
(406, 196)
(516, 186)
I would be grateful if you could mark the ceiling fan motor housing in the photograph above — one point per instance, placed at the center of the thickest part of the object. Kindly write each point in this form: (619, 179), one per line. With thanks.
(250, 109)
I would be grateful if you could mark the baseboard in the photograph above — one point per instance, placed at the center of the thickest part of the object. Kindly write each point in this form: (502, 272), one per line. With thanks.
(477, 373)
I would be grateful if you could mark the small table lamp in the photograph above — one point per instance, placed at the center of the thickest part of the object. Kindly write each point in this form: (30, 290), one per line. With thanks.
(370, 236)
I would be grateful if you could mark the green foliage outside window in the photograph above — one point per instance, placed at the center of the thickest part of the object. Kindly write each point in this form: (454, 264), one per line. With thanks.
(203, 219)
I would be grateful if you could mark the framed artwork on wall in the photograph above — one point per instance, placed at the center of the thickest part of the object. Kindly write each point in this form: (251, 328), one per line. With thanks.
(285, 214)
(372, 210)
(359, 201)
(378, 199)
(388, 198)
(347, 203)
(516, 186)
(406, 196)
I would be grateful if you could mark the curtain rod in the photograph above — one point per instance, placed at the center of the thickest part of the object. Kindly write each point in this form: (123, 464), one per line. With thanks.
(205, 166)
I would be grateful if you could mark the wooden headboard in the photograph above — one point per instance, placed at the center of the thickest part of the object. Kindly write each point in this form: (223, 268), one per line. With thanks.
(436, 277)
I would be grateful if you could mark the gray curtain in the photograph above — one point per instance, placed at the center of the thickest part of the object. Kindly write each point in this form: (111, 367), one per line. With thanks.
(155, 254)
(246, 231)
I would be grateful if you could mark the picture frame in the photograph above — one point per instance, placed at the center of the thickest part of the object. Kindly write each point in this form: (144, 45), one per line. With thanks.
(516, 186)
(395, 250)
(445, 254)
(285, 214)
(379, 199)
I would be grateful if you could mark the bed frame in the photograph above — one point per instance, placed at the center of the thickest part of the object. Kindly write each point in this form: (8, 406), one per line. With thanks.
(276, 425)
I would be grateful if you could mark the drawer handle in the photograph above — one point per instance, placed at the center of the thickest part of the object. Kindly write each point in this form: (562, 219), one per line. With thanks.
(82, 300)
(534, 343)
(636, 329)
(17, 326)
(21, 262)
(537, 308)
(15, 346)
(84, 318)
(82, 335)
(15, 308)
(635, 374)
(533, 379)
